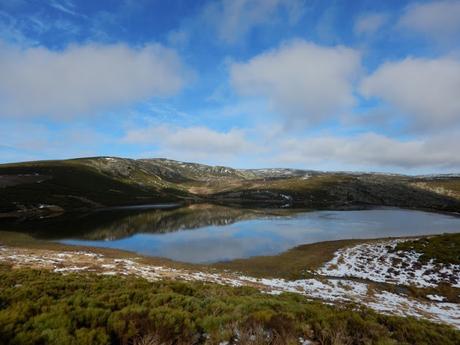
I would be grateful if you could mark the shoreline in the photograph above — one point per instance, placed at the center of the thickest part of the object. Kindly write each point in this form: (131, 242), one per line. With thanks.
(335, 289)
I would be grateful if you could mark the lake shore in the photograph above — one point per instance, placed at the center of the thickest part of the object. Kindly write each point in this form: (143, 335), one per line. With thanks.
(385, 296)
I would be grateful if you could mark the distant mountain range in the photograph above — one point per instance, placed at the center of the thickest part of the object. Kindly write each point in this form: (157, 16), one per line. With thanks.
(46, 188)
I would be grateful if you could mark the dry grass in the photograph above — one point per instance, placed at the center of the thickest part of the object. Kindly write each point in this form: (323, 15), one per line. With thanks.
(300, 185)
(294, 184)
(20, 240)
(448, 187)
(292, 264)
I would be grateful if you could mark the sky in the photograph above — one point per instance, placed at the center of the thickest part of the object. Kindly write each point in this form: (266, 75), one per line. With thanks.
(359, 85)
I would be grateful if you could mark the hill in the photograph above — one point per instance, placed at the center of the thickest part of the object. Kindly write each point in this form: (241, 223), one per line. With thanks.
(45, 188)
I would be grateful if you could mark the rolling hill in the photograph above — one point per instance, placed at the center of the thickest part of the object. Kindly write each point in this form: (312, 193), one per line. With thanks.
(44, 188)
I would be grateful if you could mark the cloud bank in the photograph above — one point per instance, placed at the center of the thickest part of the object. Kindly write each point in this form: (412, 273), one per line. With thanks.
(372, 149)
(305, 82)
(438, 19)
(426, 90)
(85, 78)
(191, 142)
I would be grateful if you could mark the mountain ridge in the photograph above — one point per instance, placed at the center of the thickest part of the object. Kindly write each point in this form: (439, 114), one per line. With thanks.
(42, 187)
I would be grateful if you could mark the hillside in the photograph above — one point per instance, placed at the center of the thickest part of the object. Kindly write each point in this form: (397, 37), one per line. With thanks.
(44, 188)
(39, 307)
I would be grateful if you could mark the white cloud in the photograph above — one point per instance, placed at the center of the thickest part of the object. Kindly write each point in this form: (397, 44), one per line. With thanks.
(64, 6)
(305, 82)
(438, 19)
(190, 142)
(369, 23)
(373, 151)
(426, 90)
(29, 140)
(235, 18)
(84, 79)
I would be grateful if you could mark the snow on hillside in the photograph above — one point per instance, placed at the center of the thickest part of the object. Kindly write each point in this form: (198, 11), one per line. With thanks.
(378, 262)
(330, 290)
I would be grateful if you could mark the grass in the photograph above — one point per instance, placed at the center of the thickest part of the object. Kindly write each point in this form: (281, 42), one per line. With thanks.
(74, 185)
(451, 294)
(447, 186)
(92, 182)
(296, 185)
(289, 184)
(443, 248)
(39, 307)
(296, 263)
(292, 264)
(15, 239)
(452, 184)
(304, 185)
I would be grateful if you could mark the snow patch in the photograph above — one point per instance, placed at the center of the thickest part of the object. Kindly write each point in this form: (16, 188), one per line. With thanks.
(328, 290)
(436, 298)
(378, 262)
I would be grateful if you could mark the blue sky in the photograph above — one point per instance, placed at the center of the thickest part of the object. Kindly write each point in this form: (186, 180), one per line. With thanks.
(331, 85)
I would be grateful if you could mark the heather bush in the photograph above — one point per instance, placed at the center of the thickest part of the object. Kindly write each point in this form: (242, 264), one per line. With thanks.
(39, 307)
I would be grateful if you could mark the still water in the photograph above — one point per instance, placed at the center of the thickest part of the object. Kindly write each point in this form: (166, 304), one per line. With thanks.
(206, 234)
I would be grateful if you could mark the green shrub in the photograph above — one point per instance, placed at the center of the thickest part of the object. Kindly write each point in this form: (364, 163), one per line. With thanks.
(39, 307)
(442, 248)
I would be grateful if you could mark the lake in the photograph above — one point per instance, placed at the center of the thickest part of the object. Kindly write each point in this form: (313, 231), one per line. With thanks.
(208, 234)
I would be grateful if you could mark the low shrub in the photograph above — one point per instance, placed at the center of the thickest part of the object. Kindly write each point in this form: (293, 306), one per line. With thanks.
(40, 307)
(442, 248)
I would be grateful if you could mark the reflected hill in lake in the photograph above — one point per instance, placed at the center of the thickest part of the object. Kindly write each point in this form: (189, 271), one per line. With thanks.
(121, 223)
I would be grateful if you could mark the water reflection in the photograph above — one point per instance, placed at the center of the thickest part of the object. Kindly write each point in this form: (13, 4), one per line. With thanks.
(121, 222)
(207, 233)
